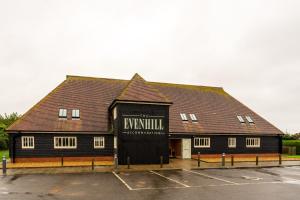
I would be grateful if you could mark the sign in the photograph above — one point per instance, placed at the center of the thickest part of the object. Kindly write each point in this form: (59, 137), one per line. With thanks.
(143, 124)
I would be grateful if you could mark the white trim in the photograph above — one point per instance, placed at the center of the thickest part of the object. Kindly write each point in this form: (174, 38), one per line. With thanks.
(115, 113)
(27, 142)
(183, 117)
(231, 142)
(249, 119)
(253, 142)
(193, 117)
(62, 113)
(204, 142)
(66, 146)
(75, 114)
(101, 142)
(241, 119)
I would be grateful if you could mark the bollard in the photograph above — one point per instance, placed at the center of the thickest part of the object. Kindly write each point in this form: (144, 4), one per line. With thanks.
(93, 164)
(198, 159)
(280, 159)
(232, 160)
(161, 161)
(62, 161)
(257, 160)
(116, 161)
(128, 162)
(4, 165)
(223, 159)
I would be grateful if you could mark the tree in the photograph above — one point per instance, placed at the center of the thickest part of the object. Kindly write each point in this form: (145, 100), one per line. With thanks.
(5, 121)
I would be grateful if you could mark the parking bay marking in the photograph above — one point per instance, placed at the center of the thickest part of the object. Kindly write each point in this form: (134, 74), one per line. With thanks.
(201, 174)
(170, 179)
(130, 188)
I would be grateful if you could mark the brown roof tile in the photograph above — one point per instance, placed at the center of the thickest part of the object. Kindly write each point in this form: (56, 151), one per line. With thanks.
(138, 90)
(215, 109)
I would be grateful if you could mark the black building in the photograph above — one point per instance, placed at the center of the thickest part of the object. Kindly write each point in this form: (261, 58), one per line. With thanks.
(88, 118)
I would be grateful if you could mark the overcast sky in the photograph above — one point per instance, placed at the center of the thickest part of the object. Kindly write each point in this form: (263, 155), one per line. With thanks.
(250, 48)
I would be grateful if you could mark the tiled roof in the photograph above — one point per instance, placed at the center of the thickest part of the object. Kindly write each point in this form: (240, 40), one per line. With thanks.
(138, 90)
(215, 109)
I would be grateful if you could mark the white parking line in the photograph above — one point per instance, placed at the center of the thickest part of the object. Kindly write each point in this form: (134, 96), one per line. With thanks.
(130, 188)
(185, 185)
(211, 177)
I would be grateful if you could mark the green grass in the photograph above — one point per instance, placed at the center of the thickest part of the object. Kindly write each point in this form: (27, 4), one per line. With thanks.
(4, 152)
(293, 156)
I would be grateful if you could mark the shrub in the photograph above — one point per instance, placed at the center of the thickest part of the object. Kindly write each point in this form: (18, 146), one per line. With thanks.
(3, 143)
(294, 143)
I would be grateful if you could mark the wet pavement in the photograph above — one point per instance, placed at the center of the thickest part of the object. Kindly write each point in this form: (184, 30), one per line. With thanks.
(259, 183)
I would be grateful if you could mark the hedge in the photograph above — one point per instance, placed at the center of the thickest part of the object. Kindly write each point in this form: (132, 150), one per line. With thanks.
(294, 143)
(3, 143)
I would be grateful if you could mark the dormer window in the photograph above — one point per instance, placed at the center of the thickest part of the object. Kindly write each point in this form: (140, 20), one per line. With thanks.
(193, 117)
(249, 119)
(183, 117)
(75, 114)
(62, 113)
(241, 119)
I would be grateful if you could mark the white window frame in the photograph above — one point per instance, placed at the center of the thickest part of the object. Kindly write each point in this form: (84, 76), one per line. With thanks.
(249, 119)
(75, 114)
(231, 142)
(241, 119)
(253, 142)
(101, 141)
(202, 142)
(115, 113)
(27, 142)
(193, 118)
(62, 113)
(183, 117)
(65, 141)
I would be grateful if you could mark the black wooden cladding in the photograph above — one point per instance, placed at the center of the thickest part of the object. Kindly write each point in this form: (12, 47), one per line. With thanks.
(44, 146)
(142, 148)
(219, 144)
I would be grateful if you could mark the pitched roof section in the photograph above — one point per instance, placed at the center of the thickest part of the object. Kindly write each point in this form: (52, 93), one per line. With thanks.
(137, 90)
(215, 109)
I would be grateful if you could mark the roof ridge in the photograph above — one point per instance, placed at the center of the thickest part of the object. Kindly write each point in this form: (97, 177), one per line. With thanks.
(184, 85)
(135, 78)
(70, 77)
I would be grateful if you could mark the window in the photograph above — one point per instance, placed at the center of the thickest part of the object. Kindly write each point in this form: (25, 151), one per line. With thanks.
(62, 113)
(27, 142)
(193, 117)
(232, 142)
(241, 119)
(75, 114)
(249, 119)
(99, 142)
(65, 142)
(115, 113)
(183, 117)
(252, 142)
(202, 142)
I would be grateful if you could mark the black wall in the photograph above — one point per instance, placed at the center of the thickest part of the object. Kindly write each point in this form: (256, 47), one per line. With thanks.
(44, 146)
(142, 148)
(219, 144)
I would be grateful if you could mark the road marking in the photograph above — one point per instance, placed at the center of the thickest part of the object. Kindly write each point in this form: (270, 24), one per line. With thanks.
(130, 188)
(252, 178)
(211, 177)
(185, 185)
(211, 185)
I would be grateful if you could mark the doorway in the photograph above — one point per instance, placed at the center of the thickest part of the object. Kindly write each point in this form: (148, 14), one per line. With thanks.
(175, 148)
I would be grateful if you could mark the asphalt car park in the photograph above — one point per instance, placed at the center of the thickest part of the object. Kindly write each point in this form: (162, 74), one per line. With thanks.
(254, 183)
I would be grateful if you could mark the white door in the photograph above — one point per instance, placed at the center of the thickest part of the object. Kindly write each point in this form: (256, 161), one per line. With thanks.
(186, 148)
